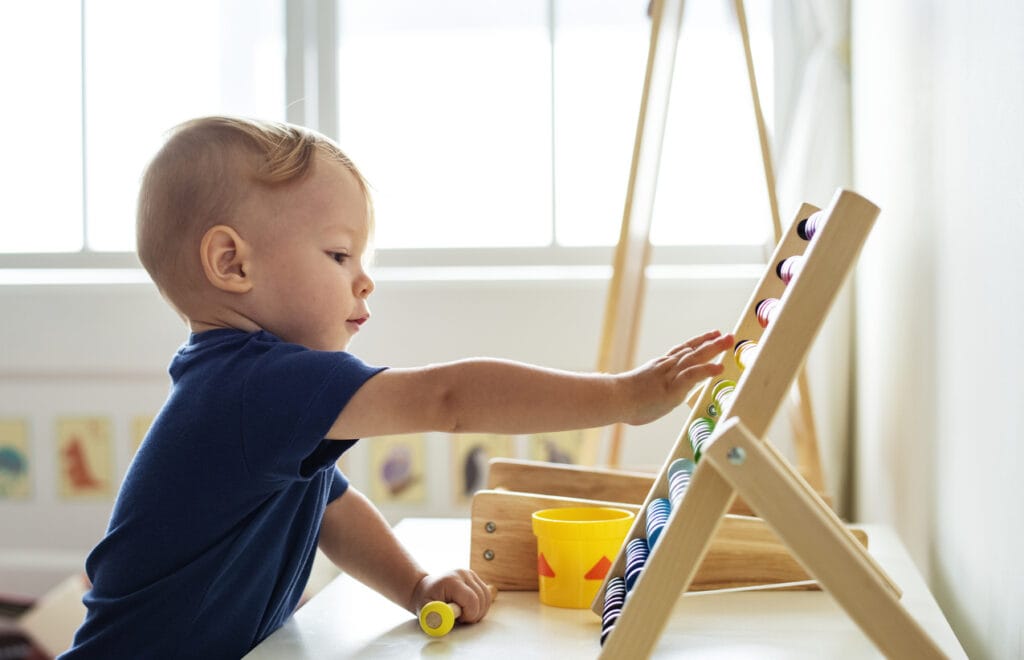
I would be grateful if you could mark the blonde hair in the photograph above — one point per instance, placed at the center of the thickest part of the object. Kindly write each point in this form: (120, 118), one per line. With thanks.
(199, 177)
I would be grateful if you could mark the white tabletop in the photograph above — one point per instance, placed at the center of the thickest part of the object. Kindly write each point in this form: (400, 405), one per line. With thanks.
(348, 620)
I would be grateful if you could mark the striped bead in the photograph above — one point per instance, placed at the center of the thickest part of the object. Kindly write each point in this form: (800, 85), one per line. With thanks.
(679, 473)
(809, 227)
(722, 393)
(766, 311)
(614, 599)
(745, 353)
(636, 557)
(657, 515)
(699, 432)
(789, 268)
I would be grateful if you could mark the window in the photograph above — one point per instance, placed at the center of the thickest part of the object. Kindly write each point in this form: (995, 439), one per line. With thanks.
(115, 76)
(41, 170)
(446, 107)
(487, 124)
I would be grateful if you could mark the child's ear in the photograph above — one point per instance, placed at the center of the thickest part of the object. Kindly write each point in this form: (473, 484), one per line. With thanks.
(225, 256)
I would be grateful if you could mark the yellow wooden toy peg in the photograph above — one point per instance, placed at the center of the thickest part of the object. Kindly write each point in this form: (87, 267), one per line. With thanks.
(437, 618)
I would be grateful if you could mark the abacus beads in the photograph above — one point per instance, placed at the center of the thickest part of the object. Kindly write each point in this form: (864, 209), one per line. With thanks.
(699, 432)
(768, 308)
(766, 311)
(657, 515)
(636, 556)
(722, 394)
(788, 268)
(679, 474)
(614, 599)
(745, 352)
(808, 227)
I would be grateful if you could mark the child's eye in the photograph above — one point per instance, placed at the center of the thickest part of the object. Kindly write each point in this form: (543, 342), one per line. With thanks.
(340, 257)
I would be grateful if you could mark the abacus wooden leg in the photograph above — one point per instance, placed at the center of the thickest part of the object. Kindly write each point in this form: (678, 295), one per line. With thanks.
(819, 540)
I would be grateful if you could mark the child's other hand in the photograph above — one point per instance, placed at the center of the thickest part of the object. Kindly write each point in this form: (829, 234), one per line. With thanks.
(658, 386)
(461, 586)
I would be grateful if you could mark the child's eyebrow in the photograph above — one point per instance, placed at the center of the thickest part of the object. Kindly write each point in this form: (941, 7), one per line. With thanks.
(349, 236)
(339, 229)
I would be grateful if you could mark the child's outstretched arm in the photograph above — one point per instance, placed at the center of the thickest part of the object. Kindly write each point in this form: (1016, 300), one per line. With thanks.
(499, 396)
(359, 541)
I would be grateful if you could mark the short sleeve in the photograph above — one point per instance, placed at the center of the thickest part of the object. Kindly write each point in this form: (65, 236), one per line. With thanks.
(339, 484)
(291, 398)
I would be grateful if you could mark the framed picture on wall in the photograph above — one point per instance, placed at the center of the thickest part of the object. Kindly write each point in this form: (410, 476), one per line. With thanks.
(397, 472)
(470, 454)
(85, 458)
(566, 447)
(15, 464)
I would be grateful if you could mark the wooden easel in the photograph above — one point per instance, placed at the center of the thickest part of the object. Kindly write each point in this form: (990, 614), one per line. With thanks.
(623, 307)
(737, 460)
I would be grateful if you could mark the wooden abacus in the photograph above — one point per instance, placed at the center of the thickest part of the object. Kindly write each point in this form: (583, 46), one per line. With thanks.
(736, 460)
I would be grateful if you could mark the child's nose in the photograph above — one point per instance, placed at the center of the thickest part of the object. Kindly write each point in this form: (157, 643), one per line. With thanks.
(364, 286)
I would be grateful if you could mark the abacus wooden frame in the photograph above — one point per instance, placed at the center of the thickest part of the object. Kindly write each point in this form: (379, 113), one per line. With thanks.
(738, 461)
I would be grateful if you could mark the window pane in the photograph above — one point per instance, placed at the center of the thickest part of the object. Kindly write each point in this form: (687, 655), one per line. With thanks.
(711, 185)
(41, 170)
(445, 105)
(600, 58)
(710, 157)
(150, 66)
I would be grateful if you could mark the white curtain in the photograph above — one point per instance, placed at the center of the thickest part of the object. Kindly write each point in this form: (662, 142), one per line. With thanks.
(812, 143)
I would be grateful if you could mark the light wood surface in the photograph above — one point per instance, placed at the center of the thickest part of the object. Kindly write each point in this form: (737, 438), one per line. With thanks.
(349, 620)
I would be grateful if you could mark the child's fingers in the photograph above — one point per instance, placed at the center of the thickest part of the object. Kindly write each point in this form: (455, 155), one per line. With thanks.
(706, 350)
(691, 344)
(477, 597)
(701, 354)
(697, 373)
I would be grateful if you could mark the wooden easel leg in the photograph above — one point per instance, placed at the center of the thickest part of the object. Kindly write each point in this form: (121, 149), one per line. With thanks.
(821, 543)
(624, 306)
(805, 436)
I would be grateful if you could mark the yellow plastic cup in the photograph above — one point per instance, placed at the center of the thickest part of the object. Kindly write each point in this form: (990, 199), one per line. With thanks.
(575, 550)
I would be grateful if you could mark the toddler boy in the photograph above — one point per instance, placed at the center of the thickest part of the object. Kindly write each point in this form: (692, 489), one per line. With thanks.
(256, 233)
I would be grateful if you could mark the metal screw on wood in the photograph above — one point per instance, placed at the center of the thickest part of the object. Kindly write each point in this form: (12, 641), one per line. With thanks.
(490, 527)
(488, 555)
(737, 455)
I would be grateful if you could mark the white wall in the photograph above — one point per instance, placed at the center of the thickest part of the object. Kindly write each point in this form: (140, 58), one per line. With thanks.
(939, 145)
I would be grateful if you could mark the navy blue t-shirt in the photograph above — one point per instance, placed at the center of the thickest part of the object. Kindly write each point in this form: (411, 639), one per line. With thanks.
(216, 524)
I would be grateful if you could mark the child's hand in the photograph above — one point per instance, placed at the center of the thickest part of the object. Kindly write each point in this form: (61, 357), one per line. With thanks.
(658, 386)
(461, 586)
